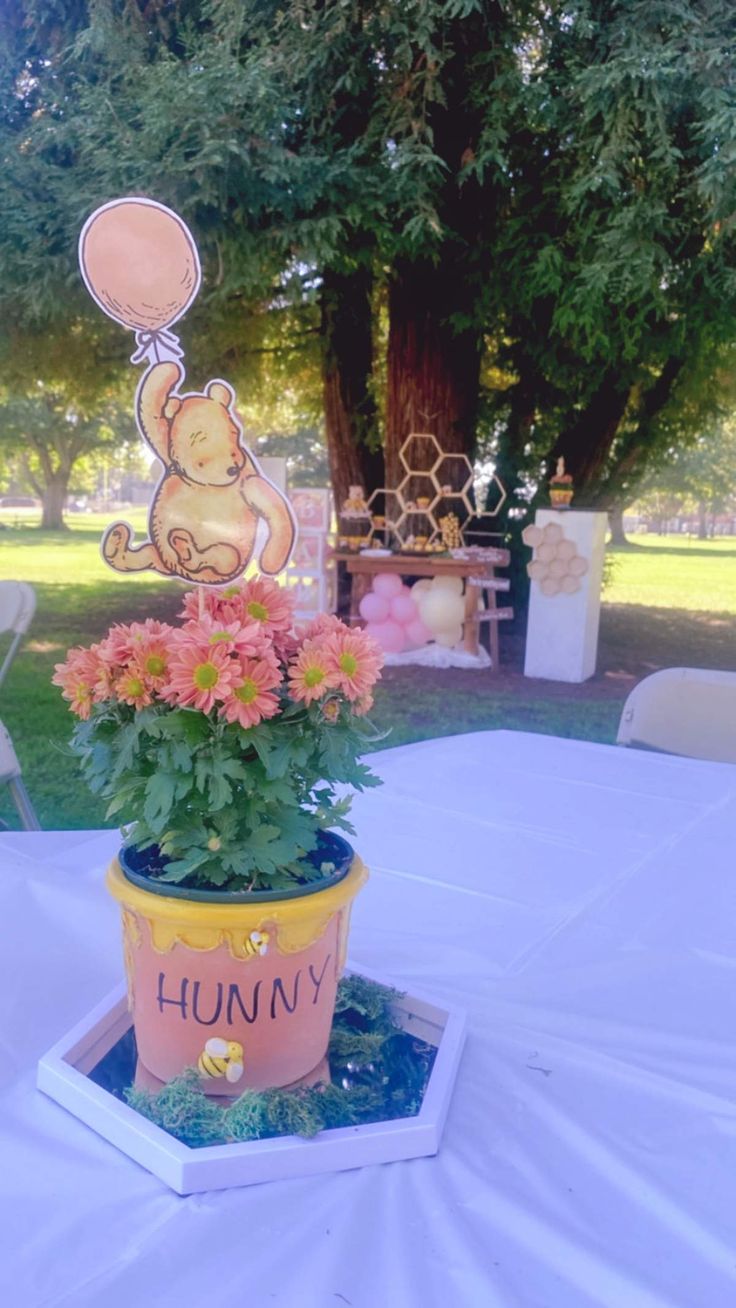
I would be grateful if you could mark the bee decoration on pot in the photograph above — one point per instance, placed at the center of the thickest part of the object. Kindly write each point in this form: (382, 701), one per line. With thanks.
(221, 1058)
(256, 943)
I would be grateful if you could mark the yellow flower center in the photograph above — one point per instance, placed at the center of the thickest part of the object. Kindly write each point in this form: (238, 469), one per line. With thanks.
(219, 635)
(206, 676)
(313, 676)
(348, 664)
(247, 692)
(135, 687)
(231, 591)
(257, 611)
(155, 665)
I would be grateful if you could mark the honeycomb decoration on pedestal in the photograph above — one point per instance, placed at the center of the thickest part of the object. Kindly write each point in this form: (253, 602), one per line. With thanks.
(556, 565)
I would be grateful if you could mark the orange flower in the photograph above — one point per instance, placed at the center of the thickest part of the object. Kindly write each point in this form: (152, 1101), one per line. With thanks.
(251, 697)
(330, 710)
(243, 637)
(324, 624)
(355, 660)
(199, 676)
(310, 676)
(128, 641)
(265, 602)
(133, 688)
(78, 678)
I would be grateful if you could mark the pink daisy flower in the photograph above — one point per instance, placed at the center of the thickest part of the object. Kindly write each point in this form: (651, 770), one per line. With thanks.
(251, 697)
(78, 678)
(199, 676)
(355, 660)
(324, 624)
(194, 607)
(154, 663)
(127, 641)
(310, 673)
(236, 636)
(267, 603)
(132, 688)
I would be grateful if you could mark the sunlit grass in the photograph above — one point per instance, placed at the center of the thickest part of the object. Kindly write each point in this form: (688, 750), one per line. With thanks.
(676, 572)
(686, 593)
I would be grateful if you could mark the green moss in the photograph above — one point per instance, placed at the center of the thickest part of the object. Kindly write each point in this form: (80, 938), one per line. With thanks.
(377, 1073)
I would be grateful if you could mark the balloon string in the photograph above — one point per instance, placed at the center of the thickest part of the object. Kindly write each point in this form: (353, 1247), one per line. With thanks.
(157, 346)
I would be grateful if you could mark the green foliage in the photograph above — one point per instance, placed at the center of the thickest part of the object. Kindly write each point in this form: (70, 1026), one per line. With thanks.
(700, 475)
(227, 807)
(45, 435)
(375, 1077)
(570, 162)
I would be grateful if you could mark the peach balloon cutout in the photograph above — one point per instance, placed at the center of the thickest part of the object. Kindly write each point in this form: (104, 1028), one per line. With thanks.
(213, 510)
(140, 265)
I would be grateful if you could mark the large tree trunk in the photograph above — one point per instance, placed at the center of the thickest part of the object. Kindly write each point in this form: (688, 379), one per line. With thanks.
(433, 370)
(53, 495)
(586, 442)
(353, 448)
(616, 524)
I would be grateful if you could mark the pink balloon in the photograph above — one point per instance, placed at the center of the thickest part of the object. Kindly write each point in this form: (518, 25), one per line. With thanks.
(388, 584)
(417, 634)
(374, 608)
(389, 635)
(403, 608)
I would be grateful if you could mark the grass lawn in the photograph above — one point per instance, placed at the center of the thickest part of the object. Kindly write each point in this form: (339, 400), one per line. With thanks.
(675, 572)
(667, 601)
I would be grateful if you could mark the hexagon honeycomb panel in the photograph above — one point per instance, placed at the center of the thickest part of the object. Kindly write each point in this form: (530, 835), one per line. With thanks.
(556, 566)
(425, 495)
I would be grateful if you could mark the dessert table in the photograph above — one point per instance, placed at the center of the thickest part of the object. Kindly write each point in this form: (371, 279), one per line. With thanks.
(579, 901)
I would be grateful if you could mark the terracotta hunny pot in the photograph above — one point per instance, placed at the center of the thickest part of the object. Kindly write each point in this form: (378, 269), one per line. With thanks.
(242, 988)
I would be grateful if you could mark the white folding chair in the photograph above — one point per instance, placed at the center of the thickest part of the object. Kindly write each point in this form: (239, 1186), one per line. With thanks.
(10, 775)
(17, 607)
(689, 711)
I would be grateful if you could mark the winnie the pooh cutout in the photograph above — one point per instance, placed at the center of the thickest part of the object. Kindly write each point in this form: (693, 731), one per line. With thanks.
(213, 510)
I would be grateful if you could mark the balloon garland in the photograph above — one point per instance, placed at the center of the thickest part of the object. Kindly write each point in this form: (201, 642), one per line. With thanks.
(403, 617)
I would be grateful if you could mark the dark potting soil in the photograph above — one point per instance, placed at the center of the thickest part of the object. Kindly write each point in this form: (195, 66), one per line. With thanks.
(149, 863)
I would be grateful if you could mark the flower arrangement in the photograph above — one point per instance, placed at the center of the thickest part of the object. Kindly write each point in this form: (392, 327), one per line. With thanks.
(220, 743)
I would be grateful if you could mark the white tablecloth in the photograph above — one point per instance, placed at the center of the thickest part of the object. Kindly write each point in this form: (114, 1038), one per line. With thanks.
(580, 902)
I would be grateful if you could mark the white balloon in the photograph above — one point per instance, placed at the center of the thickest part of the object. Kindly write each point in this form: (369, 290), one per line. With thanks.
(449, 583)
(449, 638)
(441, 610)
(420, 586)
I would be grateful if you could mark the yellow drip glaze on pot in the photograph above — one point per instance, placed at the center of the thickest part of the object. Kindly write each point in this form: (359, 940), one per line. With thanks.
(296, 923)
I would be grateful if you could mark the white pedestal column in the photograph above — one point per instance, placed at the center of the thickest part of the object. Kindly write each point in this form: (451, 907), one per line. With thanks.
(562, 634)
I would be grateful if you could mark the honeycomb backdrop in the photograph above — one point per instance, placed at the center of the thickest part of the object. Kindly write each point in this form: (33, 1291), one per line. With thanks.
(445, 482)
(556, 566)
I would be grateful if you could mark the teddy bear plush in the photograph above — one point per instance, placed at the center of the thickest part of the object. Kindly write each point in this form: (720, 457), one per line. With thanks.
(208, 505)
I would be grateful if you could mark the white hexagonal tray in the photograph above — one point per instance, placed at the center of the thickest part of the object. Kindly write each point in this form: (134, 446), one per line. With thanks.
(63, 1074)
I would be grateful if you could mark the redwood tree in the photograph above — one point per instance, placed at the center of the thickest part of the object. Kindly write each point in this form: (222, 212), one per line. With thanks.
(541, 190)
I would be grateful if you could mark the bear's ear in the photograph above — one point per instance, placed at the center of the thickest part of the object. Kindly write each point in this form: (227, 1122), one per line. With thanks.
(172, 407)
(221, 393)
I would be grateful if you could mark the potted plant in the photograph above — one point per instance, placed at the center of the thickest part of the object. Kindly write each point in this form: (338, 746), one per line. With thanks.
(222, 744)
